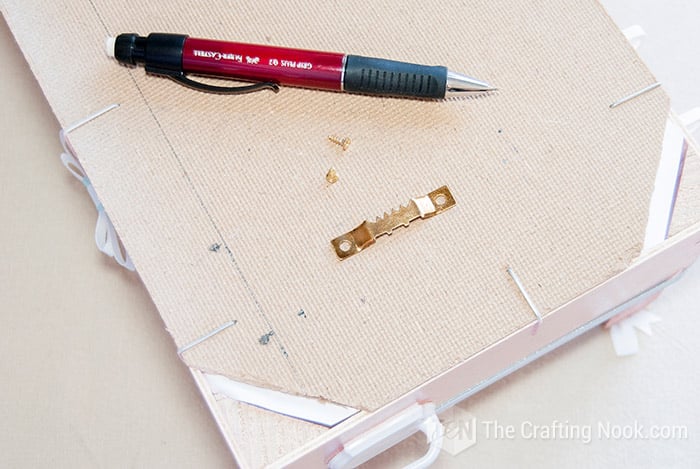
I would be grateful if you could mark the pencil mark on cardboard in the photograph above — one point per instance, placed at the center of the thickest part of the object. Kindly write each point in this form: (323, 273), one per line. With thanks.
(205, 209)
(265, 339)
(99, 16)
(472, 95)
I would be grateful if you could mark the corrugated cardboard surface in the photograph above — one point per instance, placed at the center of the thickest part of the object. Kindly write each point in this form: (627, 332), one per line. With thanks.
(261, 437)
(179, 170)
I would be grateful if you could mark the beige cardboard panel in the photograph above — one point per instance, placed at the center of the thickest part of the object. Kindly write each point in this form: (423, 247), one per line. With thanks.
(548, 180)
(275, 435)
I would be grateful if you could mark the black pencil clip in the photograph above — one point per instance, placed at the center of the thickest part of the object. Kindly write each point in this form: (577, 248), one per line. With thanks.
(181, 78)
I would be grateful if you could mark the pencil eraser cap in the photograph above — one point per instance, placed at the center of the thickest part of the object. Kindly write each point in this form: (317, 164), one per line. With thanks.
(110, 43)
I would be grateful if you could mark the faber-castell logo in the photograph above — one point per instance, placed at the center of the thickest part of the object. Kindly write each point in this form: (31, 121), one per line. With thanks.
(208, 54)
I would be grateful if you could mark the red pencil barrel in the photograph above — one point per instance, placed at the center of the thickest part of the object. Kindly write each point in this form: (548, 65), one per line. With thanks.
(293, 67)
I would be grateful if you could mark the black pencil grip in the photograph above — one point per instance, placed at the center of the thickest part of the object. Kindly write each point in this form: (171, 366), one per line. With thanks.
(368, 75)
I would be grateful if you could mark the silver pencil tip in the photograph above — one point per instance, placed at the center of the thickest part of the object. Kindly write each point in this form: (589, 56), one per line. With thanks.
(457, 82)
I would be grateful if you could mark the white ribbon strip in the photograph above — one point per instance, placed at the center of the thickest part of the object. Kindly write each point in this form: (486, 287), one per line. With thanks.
(691, 119)
(309, 409)
(106, 237)
(624, 335)
(634, 34)
(665, 187)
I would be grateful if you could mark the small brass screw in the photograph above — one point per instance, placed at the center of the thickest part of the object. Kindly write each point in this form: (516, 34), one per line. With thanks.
(332, 176)
(344, 142)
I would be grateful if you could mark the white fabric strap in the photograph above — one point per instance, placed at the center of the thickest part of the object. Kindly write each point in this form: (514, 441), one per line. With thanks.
(634, 34)
(624, 332)
(106, 237)
(691, 119)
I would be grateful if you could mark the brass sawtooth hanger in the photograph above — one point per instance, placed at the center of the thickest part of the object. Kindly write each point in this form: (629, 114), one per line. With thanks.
(365, 235)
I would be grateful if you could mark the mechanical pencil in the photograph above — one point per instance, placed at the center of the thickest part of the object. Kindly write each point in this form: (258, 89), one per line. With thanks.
(176, 55)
